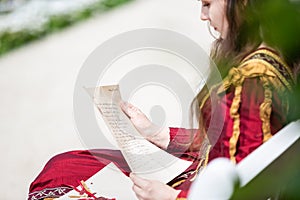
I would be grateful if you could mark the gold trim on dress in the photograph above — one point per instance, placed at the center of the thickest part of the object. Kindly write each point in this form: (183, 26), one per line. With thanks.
(236, 122)
(270, 77)
(276, 57)
(267, 67)
(204, 100)
(195, 173)
(200, 163)
(267, 74)
(178, 183)
(266, 109)
(206, 156)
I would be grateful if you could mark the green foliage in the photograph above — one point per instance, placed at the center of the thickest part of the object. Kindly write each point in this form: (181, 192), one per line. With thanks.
(12, 39)
(112, 3)
(59, 22)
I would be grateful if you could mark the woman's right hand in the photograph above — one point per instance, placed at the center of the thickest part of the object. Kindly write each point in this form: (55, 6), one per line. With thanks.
(151, 189)
(155, 134)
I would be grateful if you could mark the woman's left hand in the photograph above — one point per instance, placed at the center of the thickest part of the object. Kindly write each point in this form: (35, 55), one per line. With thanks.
(152, 190)
(155, 134)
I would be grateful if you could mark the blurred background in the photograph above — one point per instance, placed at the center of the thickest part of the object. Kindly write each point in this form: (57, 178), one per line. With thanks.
(43, 45)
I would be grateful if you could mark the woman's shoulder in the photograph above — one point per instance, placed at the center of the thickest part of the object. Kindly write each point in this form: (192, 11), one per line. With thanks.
(266, 61)
(264, 64)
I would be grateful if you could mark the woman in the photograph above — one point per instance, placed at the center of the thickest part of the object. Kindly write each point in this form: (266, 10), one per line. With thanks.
(258, 72)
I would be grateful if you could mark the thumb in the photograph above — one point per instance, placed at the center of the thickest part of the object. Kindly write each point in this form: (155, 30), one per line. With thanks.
(124, 107)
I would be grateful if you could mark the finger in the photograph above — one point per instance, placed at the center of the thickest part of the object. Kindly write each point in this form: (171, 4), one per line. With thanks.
(126, 104)
(138, 181)
(138, 192)
(124, 107)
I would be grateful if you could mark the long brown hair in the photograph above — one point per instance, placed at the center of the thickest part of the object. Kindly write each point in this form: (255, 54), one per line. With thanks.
(246, 31)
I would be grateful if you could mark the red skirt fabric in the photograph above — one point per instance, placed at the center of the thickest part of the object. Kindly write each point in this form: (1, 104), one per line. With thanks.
(65, 170)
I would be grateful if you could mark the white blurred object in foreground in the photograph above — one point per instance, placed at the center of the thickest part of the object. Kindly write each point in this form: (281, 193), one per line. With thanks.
(222, 178)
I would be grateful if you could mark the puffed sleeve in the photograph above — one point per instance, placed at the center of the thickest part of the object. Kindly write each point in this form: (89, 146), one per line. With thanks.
(257, 109)
(181, 139)
(259, 115)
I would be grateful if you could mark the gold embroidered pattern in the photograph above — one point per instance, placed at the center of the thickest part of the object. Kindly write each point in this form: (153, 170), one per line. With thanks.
(268, 70)
(272, 55)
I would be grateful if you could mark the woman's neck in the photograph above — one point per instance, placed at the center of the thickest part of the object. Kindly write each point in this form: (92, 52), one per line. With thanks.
(264, 45)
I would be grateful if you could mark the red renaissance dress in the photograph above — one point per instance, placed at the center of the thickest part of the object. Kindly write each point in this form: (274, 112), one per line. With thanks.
(254, 107)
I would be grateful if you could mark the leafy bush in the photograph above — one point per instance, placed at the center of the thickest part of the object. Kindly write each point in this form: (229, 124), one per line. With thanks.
(12, 39)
